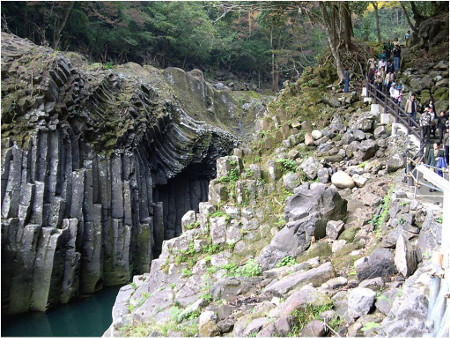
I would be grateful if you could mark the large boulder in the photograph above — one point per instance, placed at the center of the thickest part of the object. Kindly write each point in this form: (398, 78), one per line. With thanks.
(394, 163)
(310, 167)
(316, 277)
(405, 257)
(379, 264)
(360, 301)
(307, 214)
(342, 180)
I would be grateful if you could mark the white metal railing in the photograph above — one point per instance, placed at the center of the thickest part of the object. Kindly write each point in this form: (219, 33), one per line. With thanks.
(438, 318)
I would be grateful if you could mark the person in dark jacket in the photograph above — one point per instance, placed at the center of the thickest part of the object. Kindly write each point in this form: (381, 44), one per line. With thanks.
(441, 121)
(397, 52)
(434, 117)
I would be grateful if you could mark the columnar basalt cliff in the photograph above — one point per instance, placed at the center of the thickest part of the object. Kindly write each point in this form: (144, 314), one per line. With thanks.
(98, 166)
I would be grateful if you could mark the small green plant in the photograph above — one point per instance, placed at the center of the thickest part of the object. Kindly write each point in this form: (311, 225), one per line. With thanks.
(212, 270)
(378, 219)
(303, 316)
(286, 261)
(286, 194)
(231, 269)
(193, 225)
(232, 177)
(362, 165)
(207, 297)
(133, 285)
(439, 220)
(251, 268)
(108, 65)
(288, 165)
(281, 223)
(175, 312)
(172, 286)
(211, 248)
(131, 307)
(221, 214)
(187, 272)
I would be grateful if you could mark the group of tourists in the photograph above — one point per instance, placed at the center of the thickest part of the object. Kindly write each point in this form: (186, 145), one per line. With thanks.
(383, 73)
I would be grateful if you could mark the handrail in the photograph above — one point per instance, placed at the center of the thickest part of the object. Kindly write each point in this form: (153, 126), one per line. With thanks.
(398, 112)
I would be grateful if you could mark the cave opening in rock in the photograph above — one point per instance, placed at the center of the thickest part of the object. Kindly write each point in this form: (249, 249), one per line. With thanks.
(172, 200)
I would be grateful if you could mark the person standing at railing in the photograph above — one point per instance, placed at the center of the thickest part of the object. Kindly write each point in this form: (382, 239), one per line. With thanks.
(411, 107)
(425, 123)
(436, 158)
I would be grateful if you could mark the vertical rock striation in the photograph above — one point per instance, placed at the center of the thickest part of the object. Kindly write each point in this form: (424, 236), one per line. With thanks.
(98, 167)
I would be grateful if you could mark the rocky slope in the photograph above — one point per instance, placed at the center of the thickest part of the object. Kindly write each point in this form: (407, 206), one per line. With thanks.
(308, 231)
(99, 164)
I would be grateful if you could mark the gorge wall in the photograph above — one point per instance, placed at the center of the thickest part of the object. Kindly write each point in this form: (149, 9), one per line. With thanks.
(98, 166)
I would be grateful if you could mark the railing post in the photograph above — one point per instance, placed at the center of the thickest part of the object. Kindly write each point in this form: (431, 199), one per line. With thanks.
(367, 86)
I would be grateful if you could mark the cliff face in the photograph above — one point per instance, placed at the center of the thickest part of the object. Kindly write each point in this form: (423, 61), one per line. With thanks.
(98, 166)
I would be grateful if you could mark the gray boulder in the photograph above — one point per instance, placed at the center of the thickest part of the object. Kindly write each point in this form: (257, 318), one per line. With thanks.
(315, 328)
(360, 301)
(379, 264)
(323, 175)
(334, 229)
(291, 181)
(394, 163)
(405, 257)
(307, 213)
(310, 167)
(316, 276)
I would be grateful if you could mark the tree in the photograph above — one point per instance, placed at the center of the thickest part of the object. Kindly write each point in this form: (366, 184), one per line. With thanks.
(375, 6)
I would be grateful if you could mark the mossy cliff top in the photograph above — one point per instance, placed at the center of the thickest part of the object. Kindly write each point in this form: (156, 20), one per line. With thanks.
(112, 105)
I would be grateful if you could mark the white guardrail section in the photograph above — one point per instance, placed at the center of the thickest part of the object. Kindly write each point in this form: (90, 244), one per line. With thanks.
(439, 300)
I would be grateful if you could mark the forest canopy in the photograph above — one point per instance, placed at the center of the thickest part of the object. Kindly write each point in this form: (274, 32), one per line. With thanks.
(266, 42)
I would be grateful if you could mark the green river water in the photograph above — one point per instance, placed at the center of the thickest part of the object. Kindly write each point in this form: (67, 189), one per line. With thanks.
(87, 317)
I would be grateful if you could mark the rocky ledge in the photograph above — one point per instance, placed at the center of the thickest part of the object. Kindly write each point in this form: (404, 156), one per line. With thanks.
(98, 167)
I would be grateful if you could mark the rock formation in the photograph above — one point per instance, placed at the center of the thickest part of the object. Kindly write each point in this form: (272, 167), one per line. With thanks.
(98, 167)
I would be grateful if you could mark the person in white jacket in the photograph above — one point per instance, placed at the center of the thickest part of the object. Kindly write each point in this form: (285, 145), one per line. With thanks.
(393, 92)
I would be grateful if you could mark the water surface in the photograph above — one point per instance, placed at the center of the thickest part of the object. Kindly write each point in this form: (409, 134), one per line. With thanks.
(87, 317)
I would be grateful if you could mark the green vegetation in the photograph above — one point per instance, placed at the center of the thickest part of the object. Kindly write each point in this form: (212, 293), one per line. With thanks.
(378, 219)
(288, 165)
(286, 261)
(193, 225)
(303, 316)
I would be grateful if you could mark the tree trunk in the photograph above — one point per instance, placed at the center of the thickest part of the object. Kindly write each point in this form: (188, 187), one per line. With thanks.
(274, 81)
(408, 18)
(347, 29)
(377, 18)
(59, 26)
(330, 25)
